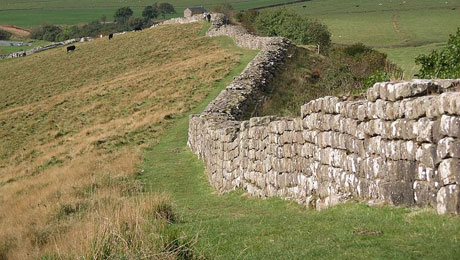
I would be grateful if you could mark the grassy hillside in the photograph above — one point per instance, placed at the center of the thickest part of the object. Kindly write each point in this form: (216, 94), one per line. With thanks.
(30, 13)
(72, 128)
(402, 29)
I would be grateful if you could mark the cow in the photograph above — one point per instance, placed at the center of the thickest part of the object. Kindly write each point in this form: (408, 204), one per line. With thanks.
(71, 48)
(110, 36)
(208, 17)
(137, 28)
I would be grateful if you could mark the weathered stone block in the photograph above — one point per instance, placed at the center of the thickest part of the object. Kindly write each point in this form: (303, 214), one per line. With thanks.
(448, 147)
(427, 155)
(449, 171)
(448, 199)
(398, 193)
(450, 126)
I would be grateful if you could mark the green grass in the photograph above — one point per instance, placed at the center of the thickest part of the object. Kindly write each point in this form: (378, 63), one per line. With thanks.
(11, 49)
(30, 13)
(405, 56)
(234, 226)
(402, 30)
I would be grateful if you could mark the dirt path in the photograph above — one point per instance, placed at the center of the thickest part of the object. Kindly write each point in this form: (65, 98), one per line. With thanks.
(16, 31)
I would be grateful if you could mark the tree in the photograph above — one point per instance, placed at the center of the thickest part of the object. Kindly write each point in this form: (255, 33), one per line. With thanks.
(122, 15)
(166, 8)
(4, 35)
(103, 18)
(443, 63)
(150, 12)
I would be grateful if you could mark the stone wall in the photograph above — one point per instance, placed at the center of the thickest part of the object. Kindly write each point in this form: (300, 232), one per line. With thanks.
(400, 145)
(43, 48)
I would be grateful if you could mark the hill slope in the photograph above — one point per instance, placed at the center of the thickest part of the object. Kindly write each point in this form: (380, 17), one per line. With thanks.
(72, 125)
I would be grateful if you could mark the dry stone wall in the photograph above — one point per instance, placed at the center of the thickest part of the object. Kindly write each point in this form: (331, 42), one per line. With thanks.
(43, 48)
(400, 145)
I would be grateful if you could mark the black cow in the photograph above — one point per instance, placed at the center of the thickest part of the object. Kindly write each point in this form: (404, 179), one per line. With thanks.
(208, 17)
(137, 28)
(110, 36)
(70, 48)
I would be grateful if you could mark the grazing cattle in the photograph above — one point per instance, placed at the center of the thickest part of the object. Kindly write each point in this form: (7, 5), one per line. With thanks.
(110, 36)
(208, 17)
(71, 48)
(137, 28)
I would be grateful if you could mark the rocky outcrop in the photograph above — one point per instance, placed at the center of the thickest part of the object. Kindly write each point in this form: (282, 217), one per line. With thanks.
(400, 145)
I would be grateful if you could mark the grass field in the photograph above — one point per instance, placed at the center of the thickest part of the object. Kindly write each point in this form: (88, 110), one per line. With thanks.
(29, 13)
(73, 127)
(402, 29)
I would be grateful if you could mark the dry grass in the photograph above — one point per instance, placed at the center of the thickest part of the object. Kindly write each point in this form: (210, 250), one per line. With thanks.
(72, 127)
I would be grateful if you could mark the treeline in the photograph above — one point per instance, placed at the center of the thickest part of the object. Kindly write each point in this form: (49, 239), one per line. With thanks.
(123, 20)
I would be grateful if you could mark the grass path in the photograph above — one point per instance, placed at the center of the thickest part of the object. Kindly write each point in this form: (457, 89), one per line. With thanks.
(234, 226)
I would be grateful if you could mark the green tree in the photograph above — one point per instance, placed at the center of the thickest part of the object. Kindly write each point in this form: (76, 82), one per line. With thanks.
(150, 12)
(122, 15)
(443, 63)
(103, 18)
(166, 8)
(4, 35)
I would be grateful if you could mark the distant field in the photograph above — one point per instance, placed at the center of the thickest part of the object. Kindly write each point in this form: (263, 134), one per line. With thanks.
(402, 29)
(29, 13)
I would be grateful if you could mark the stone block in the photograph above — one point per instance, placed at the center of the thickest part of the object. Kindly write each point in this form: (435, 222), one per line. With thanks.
(450, 126)
(398, 193)
(423, 129)
(448, 200)
(373, 93)
(448, 148)
(449, 171)
(427, 155)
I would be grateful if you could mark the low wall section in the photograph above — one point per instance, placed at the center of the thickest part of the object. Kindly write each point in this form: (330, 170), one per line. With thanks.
(401, 145)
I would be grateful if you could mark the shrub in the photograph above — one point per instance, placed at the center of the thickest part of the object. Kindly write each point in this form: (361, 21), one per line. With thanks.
(443, 63)
(4, 35)
(281, 22)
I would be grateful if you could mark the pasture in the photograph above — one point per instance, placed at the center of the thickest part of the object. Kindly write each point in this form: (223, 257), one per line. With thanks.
(30, 13)
(401, 28)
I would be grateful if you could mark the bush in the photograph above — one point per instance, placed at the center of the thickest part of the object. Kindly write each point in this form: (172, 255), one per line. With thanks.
(281, 22)
(4, 35)
(443, 63)
(47, 32)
